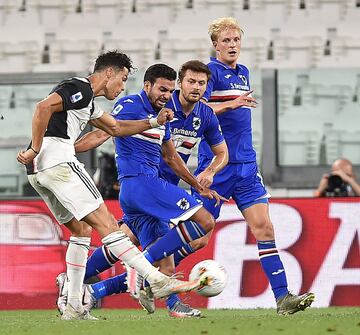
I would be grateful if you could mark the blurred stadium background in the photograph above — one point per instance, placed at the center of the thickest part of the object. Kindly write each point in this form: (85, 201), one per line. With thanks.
(304, 60)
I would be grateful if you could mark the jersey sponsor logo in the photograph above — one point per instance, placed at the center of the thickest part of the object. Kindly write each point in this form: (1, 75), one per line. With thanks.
(196, 123)
(183, 204)
(76, 97)
(117, 109)
(185, 132)
(239, 87)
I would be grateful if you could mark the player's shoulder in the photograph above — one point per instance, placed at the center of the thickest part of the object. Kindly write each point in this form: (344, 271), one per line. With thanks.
(128, 103)
(205, 111)
(243, 68)
(82, 84)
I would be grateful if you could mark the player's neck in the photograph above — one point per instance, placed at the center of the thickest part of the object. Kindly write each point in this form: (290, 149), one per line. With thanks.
(187, 107)
(229, 64)
(98, 82)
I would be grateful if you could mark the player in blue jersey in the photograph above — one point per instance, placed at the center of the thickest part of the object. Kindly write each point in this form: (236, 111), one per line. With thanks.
(193, 120)
(229, 94)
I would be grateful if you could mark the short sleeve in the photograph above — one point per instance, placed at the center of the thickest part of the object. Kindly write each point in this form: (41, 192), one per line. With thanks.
(167, 135)
(212, 133)
(75, 94)
(97, 112)
(210, 85)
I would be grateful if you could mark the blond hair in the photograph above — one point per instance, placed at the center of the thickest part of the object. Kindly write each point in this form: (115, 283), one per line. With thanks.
(223, 23)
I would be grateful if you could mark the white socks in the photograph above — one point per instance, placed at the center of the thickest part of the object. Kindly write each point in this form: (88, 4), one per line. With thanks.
(76, 257)
(122, 248)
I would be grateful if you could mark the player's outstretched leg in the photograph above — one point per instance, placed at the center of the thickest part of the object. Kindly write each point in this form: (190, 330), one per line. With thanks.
(293, 303)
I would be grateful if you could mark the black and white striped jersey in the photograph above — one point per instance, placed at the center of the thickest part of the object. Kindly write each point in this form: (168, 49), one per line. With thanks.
(65, 127)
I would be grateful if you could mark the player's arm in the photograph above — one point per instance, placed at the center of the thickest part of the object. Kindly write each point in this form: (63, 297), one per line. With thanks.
(91, 140)
(172, 158)
(244, 100)
(119, 128)
(221, 158)
(43, 112)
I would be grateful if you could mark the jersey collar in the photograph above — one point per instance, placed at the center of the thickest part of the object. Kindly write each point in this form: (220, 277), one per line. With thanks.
(145, 100)
(237, 69)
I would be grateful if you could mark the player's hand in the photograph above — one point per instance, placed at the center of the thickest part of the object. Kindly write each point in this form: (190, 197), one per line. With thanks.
(346, 178)
(26, 157)
(205, 178)
(245, 100)
(165, 115)
(212, 194)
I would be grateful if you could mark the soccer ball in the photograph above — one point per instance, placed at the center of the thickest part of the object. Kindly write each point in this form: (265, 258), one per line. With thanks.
(216, 274)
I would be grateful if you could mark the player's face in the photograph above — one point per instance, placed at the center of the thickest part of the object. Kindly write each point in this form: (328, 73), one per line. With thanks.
(193, 86)
(228, 46)
(160, 92)
(116, 83)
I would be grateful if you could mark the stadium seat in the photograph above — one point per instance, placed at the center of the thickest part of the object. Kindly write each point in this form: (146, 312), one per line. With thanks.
(343, 144)
(141, 51)
(19, 57)
(299, 148)
(302, 52)
(175, 51)
(74, 55)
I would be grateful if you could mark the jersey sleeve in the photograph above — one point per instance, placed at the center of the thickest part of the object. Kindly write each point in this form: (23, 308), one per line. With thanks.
(210, 85)
(212, 133)
(75, 94)
(167, 135)
(124, 111)
(97, 111)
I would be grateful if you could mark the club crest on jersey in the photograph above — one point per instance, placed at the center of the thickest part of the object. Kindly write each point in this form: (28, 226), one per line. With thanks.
(243, 78)
(117, 110)
(76, 97)
(196, 123)
(183, 204)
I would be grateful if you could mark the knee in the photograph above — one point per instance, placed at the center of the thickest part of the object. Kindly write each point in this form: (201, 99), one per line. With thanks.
(263, 230)
(200, 243)
(207, 222)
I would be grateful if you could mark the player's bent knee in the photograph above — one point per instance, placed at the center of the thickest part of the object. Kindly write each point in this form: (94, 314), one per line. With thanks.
(204, 219)
(200, 243)
(263, 231)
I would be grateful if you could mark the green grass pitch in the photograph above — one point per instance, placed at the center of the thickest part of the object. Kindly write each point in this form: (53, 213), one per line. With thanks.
(339, 321)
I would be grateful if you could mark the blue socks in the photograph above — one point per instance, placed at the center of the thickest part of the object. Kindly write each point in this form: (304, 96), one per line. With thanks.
(273, 268)
(109, 286)
(100, 260)
(185, 251)
(176, 238)
(172, 300)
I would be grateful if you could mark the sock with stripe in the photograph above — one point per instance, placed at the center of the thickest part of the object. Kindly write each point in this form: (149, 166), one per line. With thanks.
(171, 301)
(273, 267)
(113, 285)
(76, 256)
(176, 238)
(185, 251)
(119, 245)
(99, 261)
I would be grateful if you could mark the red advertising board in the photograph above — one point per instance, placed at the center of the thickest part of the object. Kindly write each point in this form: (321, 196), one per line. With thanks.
(318, 240)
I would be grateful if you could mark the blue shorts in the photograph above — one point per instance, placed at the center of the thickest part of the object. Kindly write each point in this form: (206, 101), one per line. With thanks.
(149, 195)
(240, 181)
(146, 229)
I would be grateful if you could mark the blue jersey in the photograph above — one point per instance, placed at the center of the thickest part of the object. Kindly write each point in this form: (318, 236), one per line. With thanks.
(186, 132)
(227, 84)
(140, 153)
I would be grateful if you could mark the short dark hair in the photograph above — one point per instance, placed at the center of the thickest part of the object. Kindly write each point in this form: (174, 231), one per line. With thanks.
(159, 71)
(114, 59)
(196, 66)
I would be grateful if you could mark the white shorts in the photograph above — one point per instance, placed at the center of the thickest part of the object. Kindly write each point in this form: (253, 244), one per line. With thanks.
(68, 190)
